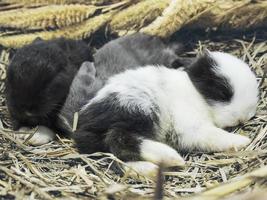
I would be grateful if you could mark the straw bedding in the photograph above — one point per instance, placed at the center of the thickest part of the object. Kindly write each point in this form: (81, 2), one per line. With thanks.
(57, 171)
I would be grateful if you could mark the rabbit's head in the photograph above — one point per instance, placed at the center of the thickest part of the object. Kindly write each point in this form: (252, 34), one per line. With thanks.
(228, 85)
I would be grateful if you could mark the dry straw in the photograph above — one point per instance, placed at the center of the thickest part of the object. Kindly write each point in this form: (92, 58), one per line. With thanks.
(175, 16)
(46, 17)
(80, 31)
(47, 2)
(137, 16)
(156, 17)
(43, 2)
(239, 15)
(57, 171)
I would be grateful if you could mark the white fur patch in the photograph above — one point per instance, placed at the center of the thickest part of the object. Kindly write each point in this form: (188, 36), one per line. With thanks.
(43, 135)
(132, 94)
(243, 81)
(213, 139)
(160, 153)
(143, 168)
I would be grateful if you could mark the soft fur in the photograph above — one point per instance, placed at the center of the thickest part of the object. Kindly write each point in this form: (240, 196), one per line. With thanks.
(243, 103)
(136, 50)
(128, 52)
(146, 113)
(83, 88)
(38, 80)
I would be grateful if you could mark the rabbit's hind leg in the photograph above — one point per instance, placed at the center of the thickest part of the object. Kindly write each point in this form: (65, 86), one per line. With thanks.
(143, 155)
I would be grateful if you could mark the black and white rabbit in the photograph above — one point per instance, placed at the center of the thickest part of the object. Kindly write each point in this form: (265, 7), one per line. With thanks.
(38, 81)
(150, 113)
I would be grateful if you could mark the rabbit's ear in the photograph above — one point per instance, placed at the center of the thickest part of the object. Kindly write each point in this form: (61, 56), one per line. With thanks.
(211, 85)
(82, 89)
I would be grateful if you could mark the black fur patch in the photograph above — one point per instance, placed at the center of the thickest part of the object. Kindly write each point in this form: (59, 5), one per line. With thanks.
(212, 86)
(38, 80)
(106, 126)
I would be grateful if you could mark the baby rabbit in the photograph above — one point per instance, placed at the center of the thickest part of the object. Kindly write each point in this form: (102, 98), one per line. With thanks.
(79, 93)
(150, 113)
(38, 80)
(134, 51)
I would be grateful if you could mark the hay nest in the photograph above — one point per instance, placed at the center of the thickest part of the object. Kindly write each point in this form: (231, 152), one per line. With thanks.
(57, 171)
(22, 21)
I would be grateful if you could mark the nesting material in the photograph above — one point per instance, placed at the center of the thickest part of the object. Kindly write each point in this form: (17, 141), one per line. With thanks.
(83, 30)
(56, 170)
(58, 2)
(137, 16)
(51, 19)
(46, 17)
(176, 15)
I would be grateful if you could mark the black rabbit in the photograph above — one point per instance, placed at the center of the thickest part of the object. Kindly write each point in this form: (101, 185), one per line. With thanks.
(38, 80)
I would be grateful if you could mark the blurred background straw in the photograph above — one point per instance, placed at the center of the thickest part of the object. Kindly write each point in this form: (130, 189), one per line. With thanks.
(22, 21)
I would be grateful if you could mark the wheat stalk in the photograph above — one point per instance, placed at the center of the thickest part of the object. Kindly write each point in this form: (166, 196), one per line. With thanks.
(77, 31)
(53, 16)
(60, 2)
(137, 16)
(175, 16)
(154, 17)
(237, 15)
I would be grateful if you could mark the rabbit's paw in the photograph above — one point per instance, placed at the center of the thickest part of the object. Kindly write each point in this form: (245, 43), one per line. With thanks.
(159, 153)
(42, 135)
